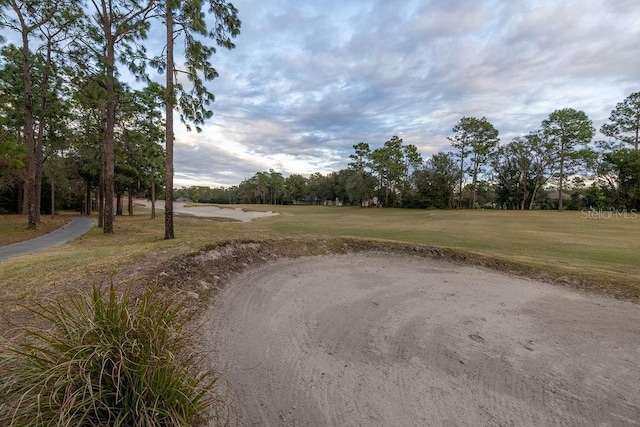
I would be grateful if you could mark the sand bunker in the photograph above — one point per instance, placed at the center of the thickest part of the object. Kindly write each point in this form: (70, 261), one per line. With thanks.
(210, 211)
(376, 340)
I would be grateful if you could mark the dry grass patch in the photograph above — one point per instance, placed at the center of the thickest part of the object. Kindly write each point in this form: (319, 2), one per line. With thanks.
(115, 360)
(13, 228)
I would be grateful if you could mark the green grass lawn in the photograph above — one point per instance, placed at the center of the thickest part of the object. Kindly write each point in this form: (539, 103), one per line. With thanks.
(567, 242)
(603, 250)
(13, 228)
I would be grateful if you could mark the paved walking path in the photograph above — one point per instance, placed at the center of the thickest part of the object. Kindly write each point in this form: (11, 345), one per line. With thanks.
(73, 229)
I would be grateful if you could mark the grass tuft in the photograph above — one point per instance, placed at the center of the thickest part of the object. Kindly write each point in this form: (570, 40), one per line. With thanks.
(108, 359)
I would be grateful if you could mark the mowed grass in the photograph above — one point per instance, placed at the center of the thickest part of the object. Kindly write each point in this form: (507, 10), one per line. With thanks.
(601, 249)
(13, 228)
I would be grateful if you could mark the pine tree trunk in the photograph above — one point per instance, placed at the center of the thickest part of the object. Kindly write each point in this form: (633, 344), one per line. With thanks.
(39, 142)
(101, 204)
(168, 199)
(32, 190)
(109, 136)
(561, 176)
(53, 197)
(88, 201)
(153, 198)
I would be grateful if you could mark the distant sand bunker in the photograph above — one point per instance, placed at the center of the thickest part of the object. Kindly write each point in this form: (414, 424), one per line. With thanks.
(210, 211)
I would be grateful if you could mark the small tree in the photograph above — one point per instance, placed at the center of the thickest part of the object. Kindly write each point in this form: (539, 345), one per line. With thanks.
(513, 168)
(625, 121)
(624, 178)
(477, 138)
(296, 186)
(567, 129)
(393, 163)
(436, 180)
(360, 183)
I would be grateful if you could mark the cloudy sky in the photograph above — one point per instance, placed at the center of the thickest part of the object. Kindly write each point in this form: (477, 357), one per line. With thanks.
(311, 78)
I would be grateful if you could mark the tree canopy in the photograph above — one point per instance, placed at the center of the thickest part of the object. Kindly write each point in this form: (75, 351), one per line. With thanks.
(72, 126)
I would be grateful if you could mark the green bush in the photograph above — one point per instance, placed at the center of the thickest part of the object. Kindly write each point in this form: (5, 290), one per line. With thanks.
(108, 360)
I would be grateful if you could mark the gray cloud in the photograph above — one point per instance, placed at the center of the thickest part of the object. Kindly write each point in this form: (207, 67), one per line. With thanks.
(310, 79)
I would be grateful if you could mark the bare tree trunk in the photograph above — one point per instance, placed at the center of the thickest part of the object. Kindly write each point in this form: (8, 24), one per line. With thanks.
(118, 204)
(153, 198)
(39, 164)
(32, 205)
(533, 197)
(168, 199)
(130, 202)
(461, 177)
(101, 204)
(109, 134)
(474, 185)
(89, 200)
(39, 142)
(53, 197)
(24, 204)
(561, 175)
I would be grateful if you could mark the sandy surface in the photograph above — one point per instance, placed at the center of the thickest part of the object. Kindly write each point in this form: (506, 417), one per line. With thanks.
(211, 211)
(372, 340)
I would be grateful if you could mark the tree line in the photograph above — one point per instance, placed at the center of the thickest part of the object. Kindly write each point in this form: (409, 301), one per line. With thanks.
(71, 128)
(557, 166)
(74, 134)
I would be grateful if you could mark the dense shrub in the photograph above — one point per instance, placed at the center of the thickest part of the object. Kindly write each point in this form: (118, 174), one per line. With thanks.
(107, 360)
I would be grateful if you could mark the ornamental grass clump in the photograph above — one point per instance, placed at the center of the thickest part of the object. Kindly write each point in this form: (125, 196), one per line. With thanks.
(108, 360)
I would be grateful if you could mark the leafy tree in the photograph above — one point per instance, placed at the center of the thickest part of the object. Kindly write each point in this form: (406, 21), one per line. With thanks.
(88, 108)
(393, 163)
(544, 162)
(359, 186)
(140, 157)
(512, 166)
(187, 18)
(484, 138)
(361, 158)
(336, 187)
(275, 187)
(48, 23)
(117, 26)
(625, 121)
(624, 178)
(477, 138)
(460, 142)
(436, 180)
(12, 163)
(360, 182)
(326, 188)
(296, 186)
(594, 197)
(314, 187)
(567, 129)
(522, 168)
